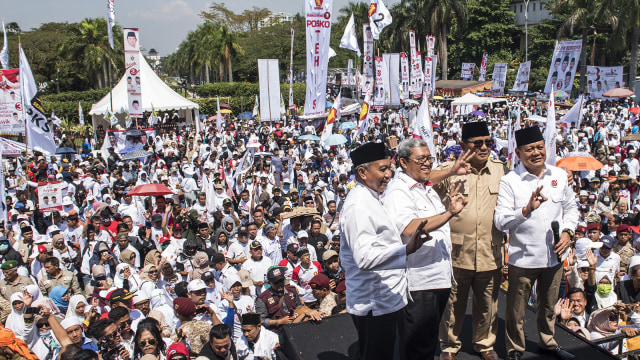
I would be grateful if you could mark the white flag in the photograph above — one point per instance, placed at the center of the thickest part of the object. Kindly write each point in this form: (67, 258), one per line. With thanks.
(56, 120)
(574, 115)
(334, 115)
(379, 17)
(111, 20)
(255, 108)
(513, 158)
(4, 54)
(550, 131)
(349, 39)
(39, 134)
(219, 119)
(423, 129)
(80, 114)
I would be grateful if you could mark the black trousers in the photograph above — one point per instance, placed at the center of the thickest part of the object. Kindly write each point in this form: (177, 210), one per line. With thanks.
(377, 335)
(420, 324)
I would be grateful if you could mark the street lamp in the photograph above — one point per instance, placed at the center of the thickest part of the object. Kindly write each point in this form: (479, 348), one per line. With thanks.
(526, 30)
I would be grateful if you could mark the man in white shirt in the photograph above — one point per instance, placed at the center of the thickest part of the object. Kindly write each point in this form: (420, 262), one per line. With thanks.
(373, 255)
(409, 200)
(257, 265)
(256, 342)
(607, 260)
(530, 198)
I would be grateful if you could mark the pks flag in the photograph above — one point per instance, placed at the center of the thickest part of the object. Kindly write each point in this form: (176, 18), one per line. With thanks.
(111, 20)
(574, 115)
(422, 127)
(127, 119)
(219, 119)
(153, 117)
(550, 133)
(349, 39)
(365, 107)
(39, 134)
(80, 114)
(379, 17)
(334, 114)
(4, 54)
(283, 109)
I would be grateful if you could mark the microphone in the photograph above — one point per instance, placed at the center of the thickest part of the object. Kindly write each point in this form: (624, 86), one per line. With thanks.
(555, 227)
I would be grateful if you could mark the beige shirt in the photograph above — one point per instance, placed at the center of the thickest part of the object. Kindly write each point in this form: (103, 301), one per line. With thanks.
(476, 243)
(7, 289)
(65, 278)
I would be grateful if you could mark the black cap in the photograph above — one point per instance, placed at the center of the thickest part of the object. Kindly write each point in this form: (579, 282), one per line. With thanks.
(528, 136)
(208, 276)
(120, 294)
(275, 274)
(251, 319)
(243, 230)
(293, 248)
(367, 153)
(255, 244)
(474, 129)
(217, 258)
(302, 251)
(156, 218)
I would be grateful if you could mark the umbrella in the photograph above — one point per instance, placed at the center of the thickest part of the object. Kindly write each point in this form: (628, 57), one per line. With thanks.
(560, 94)
(223, 105)
(66, 150)
(453, 149)
(136, 154)
(134, 133)
(478, 113)
(263, 153)
(538, 118)
(618, 93)
(245, 116)
(411, 101)
(634, 137)
(579, 163)
(335, 139)
(212, 118)
(438, 97)
(126, 150)
(309, 137)
(328, 104)
(634, 110)
(150, 190)
(348, 125)
(225, 111)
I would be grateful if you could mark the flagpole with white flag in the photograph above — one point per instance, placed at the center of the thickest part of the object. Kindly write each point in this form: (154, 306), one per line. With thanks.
(255, 108)
(111, 20)
(574, 115)
(511, 149)
(80, 114)
(550, 131)
(3, 200)
(334, 115)
(423, 129)
(4, 54)
(349, 39)
(379, 17)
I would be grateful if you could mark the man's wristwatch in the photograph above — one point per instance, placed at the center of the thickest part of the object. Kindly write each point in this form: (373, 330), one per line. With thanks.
(569, 231)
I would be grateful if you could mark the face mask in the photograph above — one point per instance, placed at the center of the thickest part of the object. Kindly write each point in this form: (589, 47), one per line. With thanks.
(268, 162)
(121, 276)
(46, 334)
(604, 289)
(249, 181)
(284, 188)
(4, 247)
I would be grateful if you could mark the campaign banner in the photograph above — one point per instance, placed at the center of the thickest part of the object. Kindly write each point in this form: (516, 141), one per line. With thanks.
(367, 60)
(416, 75)
(269, 84)
(132, 69)
(318, 16)
(119, 141)
(11, 119)
(499, 78)
(603, 78)
(431, 45)
(483, 67)
(392, 62)
(379, 97)
(404, 77)
(563, 65)
(467, 71)
(50, 196)
(522, 78)
(350, 72)
(111, 20)
(434, 59)
(428, 77)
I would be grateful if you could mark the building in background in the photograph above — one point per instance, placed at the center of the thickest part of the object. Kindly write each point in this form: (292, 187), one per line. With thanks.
(275, 18)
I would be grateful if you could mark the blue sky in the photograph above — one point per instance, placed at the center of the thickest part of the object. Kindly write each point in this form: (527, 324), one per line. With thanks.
(163, 23)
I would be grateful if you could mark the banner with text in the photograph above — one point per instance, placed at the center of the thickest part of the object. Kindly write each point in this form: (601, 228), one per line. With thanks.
(379, 96)
(467, 71)
(367, 60)
(392, 64)
(522, 79)
(603, 78)
(50, 196)
(318, 16)
(119, 141)
(11, 120)
(431, 45)
(416, 75)
(499, 78)
(404, 77)
(132, 69)
(483, 67)
(428, 77)
(563, 65)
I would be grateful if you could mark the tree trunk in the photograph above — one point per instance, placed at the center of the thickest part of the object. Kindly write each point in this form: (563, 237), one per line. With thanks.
(633, 61)
(105, 73)
(227, 56)
(206, 72)
(230, 70)
(443, 53)
(221, 69)
(583, 63)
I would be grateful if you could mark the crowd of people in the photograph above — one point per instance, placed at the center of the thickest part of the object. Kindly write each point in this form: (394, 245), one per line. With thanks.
(261, 229)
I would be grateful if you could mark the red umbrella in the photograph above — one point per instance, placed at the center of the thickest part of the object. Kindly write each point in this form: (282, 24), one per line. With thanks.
(150, 190)
(634, 110)
(223, 105)
(618, 93)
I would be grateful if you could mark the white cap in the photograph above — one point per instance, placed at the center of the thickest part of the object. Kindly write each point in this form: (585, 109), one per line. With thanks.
(583, 244)
(195, 285)
(302, 234)
(164, 177)
(71, 321)
(635, 260)
(59, 176)
(322, 183)
(90, 198)
(140, 297)
(583, 264)
(66, 201)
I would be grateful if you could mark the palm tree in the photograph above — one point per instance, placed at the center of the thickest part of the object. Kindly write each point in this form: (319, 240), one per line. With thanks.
(627, 12)
(229, 49)
(442, 13)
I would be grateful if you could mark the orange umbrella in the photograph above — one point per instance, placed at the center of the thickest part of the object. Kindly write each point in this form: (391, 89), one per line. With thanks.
(618, 93)
(150, 190)
(634, 110)
(579, 163)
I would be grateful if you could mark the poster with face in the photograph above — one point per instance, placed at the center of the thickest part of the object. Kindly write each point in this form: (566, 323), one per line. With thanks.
(563, 66)
(132, 69)
(50, 196)
(467, 71)
(601, 79)
(522, 78)
(11, 120)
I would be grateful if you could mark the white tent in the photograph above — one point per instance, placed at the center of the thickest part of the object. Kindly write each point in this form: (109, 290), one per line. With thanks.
(469, 99)
(154, 91)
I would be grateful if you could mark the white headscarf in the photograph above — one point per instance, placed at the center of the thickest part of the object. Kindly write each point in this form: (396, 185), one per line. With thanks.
(608, 300)
(73, 304)
(15, 322)
(159, 303)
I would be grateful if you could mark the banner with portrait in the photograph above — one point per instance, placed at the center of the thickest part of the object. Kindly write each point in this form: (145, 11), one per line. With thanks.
(11, 120)
(467, 71)
(119, 141)
(428, 77)
(367, 60)
(318, 16)
(404, 76)
(483, 67)
(381, 92)
(416, 73)
(50, 196)
(522, 78)
(564, 64)
(392, 65)
(132, 70)
(499, 79)
(600, 79)
(431, 45)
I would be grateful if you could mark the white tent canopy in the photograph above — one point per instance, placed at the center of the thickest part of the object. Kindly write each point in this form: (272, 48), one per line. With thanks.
(154, 91)
(469, 99)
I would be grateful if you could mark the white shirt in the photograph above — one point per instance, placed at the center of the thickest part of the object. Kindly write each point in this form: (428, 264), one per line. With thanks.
(262, 349)
(609, 265)
(405, 200)
(531, 238)
(372, 255)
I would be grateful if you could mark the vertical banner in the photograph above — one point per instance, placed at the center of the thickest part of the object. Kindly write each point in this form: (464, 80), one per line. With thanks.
(393, 70)
(483, 67)
(499, 78)
(434, 59)
(431, 45)
(601, 79)
(563, 65)
(415, 62)
(111, 20)
(428, 77)
(3, 199)
(420, 79)
(11, 117)
(291, 72)
(467, 71)
(379, 96)
(269, 83)
(550, 133)
(367, 60)
(318, 16)
(404, 77)
(350, 72)
(522, 78)
(132, 70)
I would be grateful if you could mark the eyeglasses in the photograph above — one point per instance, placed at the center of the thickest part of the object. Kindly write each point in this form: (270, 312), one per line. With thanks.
(144, 343)
(43, 324)
(124, 324)
(478, 143)
(153, 271)
(422, 160)
(112, 335)
(583, 269)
